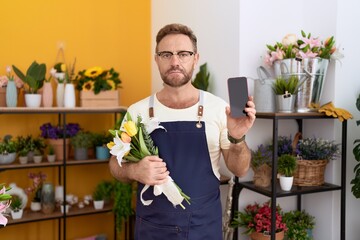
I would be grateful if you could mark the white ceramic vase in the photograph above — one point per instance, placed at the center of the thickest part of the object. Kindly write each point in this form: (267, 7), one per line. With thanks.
(69, 96)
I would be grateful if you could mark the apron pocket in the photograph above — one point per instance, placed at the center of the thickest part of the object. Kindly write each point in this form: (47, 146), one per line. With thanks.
(152, 231)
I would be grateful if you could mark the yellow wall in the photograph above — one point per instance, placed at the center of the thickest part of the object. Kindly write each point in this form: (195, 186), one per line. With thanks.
(108, 33)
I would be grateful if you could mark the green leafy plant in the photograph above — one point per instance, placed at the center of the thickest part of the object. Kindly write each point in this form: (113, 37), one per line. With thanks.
(82, 139)
(122, 208)
(286, 165)
(51, 150)
(201, 80)
(16, 203)
(285, 86)
(101, 139)
(34, 78)
(103, 191)
(7, 145)
(299, 223)
(355, 189)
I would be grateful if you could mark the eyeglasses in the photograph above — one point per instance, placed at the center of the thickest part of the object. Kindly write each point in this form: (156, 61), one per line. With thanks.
(183, 56)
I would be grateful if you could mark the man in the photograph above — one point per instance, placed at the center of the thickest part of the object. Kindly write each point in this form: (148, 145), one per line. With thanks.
(198, 129)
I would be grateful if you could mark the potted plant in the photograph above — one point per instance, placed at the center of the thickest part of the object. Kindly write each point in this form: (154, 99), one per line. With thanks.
(51, 154)
(23, 155)
(299, 224)
(34, 80)
(285, 91)
(261, 163)
(98, 87)
(256, 219)
(81, 142)
(102, 193)
(15, 206)
(56, 135)
(34, 191)
(100, 142)
(7, 150)
(37, 156)
(286, 168)
(313, 155)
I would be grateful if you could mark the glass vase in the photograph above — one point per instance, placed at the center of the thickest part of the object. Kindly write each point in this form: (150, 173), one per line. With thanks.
(47, 198)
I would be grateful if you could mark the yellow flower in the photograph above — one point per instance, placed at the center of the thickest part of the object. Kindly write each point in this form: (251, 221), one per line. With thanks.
(63, 67)
(88, 86)
(130, 128)
(112, 84)
(110, 145)
(93, 72)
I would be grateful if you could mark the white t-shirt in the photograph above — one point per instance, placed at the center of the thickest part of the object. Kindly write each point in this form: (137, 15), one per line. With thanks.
(213, 115)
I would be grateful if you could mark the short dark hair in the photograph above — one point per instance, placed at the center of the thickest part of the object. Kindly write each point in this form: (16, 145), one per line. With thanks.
(176, 28)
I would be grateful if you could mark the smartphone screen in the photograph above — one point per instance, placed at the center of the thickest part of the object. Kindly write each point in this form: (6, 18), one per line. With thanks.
(238, 96)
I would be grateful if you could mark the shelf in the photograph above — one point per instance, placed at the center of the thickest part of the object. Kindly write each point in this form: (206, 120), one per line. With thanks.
(61, 110)
(88, 161)
(30, 216)
(30, 165)
(295, 190)
(305, 115)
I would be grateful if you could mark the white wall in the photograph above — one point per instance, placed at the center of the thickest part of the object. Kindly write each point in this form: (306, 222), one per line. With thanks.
(232, 35)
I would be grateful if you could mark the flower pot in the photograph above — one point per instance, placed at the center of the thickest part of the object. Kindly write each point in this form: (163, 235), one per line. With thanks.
(37, 159)
(7, 158)
(81, 154)
(311, 73)
(67, 207)
(2, 96)
(102, 153)
(23, 159)
(51, 158)
(286, 183)
(33, 100)
(35, 206)
(17, 215)
(99, 204)
(263, 236)
(285, 103)
(262, 176)
(58, 145)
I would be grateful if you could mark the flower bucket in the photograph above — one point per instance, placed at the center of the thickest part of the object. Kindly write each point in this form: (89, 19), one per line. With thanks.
(264, 97)
(311, 73)
(264, 236)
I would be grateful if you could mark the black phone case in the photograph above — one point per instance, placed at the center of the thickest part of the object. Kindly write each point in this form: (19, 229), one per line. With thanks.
(238, 96)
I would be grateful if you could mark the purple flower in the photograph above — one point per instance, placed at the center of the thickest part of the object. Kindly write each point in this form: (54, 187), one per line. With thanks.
(56, 132)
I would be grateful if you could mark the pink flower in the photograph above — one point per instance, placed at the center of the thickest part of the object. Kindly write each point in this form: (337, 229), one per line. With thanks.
(312, 42)
(308, 54)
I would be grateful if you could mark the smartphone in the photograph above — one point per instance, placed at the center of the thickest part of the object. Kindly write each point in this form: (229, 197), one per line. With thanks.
(238, 96)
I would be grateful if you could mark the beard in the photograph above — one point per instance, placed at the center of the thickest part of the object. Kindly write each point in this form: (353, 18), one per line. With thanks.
(177, 80)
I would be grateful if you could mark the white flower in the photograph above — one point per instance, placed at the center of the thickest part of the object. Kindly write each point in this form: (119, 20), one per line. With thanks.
(151, 124)
(119, 149)
(289, 39)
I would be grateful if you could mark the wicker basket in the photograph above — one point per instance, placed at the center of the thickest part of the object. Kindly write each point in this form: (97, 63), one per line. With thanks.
(310, 172)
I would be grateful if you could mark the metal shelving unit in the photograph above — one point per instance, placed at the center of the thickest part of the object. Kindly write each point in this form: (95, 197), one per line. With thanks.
(274, 191)
(61, 165)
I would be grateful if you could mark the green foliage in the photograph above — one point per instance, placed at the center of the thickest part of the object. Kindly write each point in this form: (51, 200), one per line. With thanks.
(34, 78)
(122, 208)
(82, 139)
(103, 191)
(282, 86)
(298, 224)
(201, 80)
(4, 196)
(8, 145)
(51, 150)
(286, 165)
(355, 189)
(16, 203)
(101, 139)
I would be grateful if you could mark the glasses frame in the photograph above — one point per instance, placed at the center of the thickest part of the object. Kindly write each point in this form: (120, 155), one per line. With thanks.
(174, 53)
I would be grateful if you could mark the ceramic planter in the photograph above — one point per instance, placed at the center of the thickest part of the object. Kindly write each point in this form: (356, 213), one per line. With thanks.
(286, 183)
(17, 215)
(33, 100)
(51, 158)
(99, 204)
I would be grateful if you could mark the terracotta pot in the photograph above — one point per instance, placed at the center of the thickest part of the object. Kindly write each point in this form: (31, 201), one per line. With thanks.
(58, 145)
(263, 236)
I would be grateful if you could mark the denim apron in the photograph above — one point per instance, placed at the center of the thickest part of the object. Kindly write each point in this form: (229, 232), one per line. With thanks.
(183, 147)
